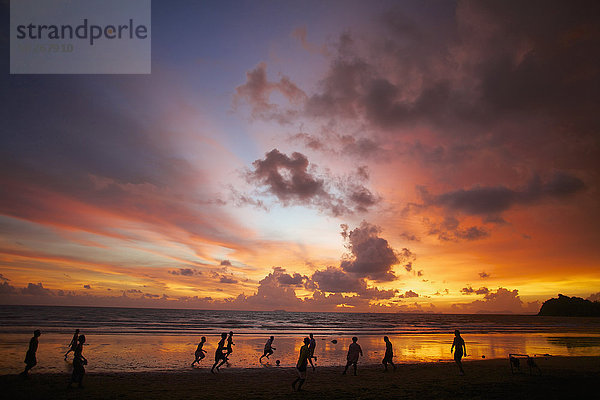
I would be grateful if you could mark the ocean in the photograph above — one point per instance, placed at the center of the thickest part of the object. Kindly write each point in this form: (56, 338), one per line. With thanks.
(127, 339)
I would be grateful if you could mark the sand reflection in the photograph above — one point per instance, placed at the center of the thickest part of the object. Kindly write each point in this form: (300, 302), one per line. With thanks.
(174, 352)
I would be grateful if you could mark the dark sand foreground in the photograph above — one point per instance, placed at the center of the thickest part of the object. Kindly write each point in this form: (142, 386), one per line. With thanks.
(562, 378)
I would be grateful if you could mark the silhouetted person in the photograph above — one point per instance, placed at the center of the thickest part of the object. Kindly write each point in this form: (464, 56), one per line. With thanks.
(219, 355)
(30, 360)
(302, 364)
(199, 354)
(229, 348)
(268, 348)
(354, 351)
(73, 343)
(389, 354)
(78, 363)
(458, 345)
(311, 350)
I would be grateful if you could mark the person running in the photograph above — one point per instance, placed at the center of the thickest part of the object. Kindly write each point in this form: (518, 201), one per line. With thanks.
(389, 354)
(302, 364)
(73, 344)
(354, 351)
(219, 355)
(311, 350)
(30, 359)
(199, 354)
(268, 348)
(79, 361)
(457, 346)
(229, 348)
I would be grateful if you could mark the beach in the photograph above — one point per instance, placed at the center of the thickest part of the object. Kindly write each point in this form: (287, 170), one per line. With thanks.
(561, 378)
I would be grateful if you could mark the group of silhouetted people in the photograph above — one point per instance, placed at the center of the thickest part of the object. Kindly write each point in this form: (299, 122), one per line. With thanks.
(225, 348)
(75, 346)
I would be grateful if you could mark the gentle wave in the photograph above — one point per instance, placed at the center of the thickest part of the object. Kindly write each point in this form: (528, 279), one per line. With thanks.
(20, 319)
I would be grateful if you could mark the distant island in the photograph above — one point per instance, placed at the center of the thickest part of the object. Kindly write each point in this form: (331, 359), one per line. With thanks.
(565, 306)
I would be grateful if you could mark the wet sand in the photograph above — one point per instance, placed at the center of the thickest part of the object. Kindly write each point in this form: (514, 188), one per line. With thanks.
(562, 378)
(161, 353)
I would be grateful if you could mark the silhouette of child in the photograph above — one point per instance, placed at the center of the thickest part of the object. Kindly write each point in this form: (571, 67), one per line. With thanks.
(268, 348)
(30, 359)
(354, 351)
(199, 354)
(73, 344)
(458, 345)
(78, 363)
(389, 354)
(302, 364)
(219, 355)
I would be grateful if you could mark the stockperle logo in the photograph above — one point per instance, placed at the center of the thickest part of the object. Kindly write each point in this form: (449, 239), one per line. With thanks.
(80, 37)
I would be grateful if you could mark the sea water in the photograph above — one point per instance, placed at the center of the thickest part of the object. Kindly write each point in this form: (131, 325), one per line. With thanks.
(128, 339)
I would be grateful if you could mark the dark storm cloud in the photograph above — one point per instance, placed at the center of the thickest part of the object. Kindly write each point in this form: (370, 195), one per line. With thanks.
(498, 60)
(293, 181)
(481, 200)
(370, 255)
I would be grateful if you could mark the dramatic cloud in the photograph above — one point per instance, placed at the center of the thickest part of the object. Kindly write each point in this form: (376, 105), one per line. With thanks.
(469, 290)
(491, 201)
(257, 91)
(293, 181)
(500, 301)
(335, 280)
(33, 289)
(452, 76)
(7, 289)
(370, 255)
(408, 294)
(294, 279)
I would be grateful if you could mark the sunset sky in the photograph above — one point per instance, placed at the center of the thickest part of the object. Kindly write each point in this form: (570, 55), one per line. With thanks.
(417, 156)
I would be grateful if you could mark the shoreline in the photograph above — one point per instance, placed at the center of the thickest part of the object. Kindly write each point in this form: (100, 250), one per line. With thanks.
(561, 377)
